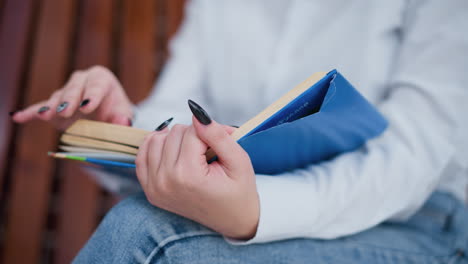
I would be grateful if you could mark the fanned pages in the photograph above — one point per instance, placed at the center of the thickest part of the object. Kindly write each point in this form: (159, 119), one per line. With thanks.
(108, 132)
(74, 140)
(106, 156)
(89, 150)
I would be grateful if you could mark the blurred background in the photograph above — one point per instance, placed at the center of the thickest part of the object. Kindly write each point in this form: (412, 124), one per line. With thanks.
(49, 208)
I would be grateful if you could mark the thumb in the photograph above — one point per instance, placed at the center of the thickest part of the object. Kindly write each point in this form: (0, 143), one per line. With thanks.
(121, 119)
(213, 134)
(229, 153)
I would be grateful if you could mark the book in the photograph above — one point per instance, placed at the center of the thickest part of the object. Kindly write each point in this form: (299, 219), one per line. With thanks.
(318, 119)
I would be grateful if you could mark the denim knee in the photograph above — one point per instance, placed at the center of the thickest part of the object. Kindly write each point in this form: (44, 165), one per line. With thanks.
(135, 215)
(135, 231)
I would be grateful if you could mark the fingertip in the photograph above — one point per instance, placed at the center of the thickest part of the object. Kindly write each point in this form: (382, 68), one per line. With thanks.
(161, 132)
(66, 109)
(157, 134)
(202, 129)
(199, 113)
(12, 115)
(165, 131)
(199, 126)
(20, 117)
(164, 124)
(84, 103)
(87, 107)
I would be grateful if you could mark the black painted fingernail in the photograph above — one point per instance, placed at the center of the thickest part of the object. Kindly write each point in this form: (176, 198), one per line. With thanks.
(164, 124)
(130, 122)
(62, 107)
(43, 109)
(84, 102)
(199, 113)
(12, 113)
(235, 126)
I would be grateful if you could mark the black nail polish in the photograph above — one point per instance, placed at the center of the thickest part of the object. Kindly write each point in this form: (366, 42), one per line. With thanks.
(12, 113)
(164, 124)
(62, 107)
(84, 102)
(199, 113)
(43, 109)
(235, 126)
(130, 122)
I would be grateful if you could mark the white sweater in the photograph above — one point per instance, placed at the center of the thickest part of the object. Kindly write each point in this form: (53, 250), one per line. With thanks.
(409, 58)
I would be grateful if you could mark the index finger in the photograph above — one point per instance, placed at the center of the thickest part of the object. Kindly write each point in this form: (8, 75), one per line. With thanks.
(141, 161)
(193, 149)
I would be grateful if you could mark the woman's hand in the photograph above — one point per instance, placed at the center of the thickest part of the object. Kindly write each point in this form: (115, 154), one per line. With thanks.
(175, 176)
(94, 93)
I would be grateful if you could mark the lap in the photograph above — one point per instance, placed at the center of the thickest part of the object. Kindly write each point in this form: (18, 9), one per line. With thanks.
(135, 231)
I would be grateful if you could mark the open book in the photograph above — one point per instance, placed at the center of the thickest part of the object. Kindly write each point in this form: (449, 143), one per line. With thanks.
(317, 120)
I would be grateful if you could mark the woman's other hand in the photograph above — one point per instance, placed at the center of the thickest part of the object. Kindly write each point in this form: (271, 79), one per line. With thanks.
(94, 93)
(175, 176)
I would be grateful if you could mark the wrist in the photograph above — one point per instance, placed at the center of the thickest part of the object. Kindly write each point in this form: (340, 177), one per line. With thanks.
(246, 227)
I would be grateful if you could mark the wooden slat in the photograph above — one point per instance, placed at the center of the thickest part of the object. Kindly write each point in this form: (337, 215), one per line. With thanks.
(15, 28)
(78, 212)
(175, 14)
(32, 169)
(137, 60)
(1, 11)
(81, 197)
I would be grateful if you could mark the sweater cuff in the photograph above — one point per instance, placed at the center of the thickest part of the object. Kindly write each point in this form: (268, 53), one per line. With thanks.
(285, 209)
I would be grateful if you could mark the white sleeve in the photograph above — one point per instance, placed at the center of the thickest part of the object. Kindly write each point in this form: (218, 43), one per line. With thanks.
(391, 176)
(181, 78)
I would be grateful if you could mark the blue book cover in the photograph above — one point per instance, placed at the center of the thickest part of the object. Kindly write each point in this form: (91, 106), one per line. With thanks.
(326, 118)
(329, 118)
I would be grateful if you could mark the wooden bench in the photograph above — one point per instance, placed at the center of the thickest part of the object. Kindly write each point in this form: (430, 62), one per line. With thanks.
(49, 208)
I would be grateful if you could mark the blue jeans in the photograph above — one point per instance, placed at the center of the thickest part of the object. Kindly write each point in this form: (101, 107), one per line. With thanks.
(136, 232)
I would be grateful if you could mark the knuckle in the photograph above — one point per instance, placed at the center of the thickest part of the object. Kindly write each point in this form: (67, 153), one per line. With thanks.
(98, 81)
(182, 180)
(101, 72)
(155, 140)
(72, 91)
(76, 74)
(98, 68)
(178, 175)
(57, 93)
(162, 186)
(142, 148)
(145, 139)
(99, 85)
(179, 127)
